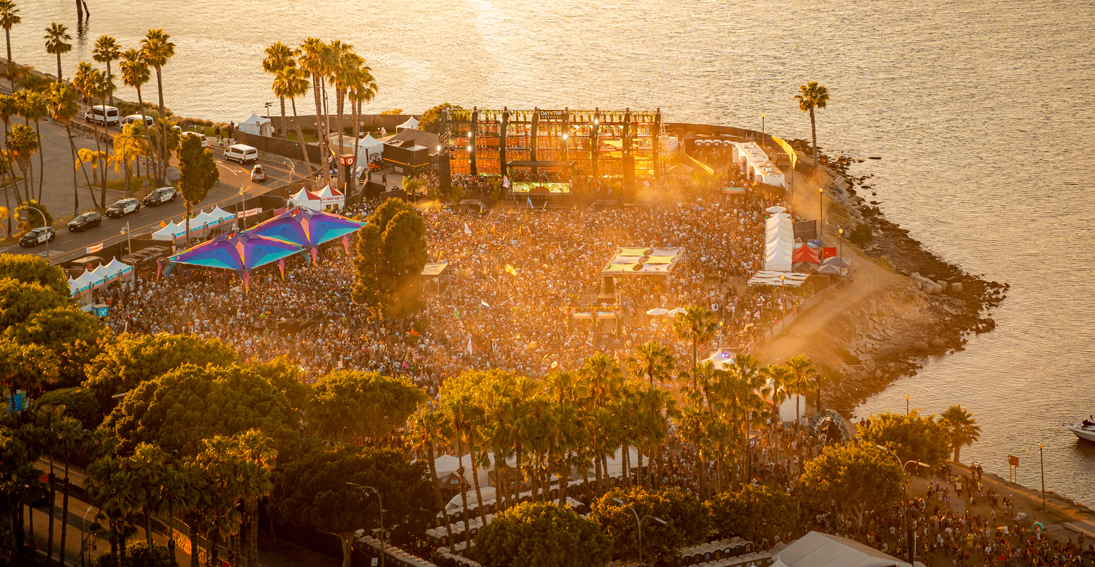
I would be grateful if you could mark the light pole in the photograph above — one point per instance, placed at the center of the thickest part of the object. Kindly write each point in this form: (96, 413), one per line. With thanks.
(292, 170)
(821, 209)
(129, 239)
(83, 528)
(1042, 465)
(908, 484)
(243, 193)
(906, 404)
(381, 500)
(840, 256)
(639, 523)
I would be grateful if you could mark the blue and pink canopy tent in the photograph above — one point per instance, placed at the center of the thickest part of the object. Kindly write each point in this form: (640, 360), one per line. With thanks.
(240, 252)
(308, 228)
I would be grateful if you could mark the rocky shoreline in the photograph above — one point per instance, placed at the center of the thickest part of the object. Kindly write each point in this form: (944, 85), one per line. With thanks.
(891, 334)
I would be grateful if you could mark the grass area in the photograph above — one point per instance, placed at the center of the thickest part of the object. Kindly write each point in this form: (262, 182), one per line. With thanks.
(118, 184)
(308, 138)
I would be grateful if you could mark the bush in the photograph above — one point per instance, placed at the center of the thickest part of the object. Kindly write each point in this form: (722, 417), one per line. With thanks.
(30, 219)
(137, 556)
(79, 403)
(755, 513)
(861, 234)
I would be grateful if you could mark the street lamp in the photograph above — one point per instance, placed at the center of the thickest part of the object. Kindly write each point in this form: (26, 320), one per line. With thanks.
(83, 528)
(243, 193)
(639, 523)
(840, 256)
(908, 484)
(44, 224)
(381, 500)
(821, 209)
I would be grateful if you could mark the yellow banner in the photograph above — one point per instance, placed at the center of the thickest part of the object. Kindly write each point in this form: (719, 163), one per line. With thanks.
(790, 151)
(510, 269)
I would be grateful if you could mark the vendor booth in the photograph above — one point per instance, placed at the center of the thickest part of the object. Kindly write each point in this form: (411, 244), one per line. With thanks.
(307, 199)
(257, 126)
(331, 199)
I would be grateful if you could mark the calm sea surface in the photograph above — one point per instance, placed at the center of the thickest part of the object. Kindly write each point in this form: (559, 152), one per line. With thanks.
(982, 112)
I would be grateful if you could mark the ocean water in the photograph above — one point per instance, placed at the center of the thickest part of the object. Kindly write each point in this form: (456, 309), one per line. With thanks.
(981, 112)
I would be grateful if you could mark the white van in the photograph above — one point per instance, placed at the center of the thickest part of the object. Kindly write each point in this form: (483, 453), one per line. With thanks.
(241, 153)
(136, 118)
(102, 114)
(205, 141)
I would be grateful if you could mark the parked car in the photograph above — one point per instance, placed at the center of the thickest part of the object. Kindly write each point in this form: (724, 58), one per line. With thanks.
(258, 173)
(136, 118)
(123, 207)
(160, 196)
(84, 221)
(101, 114)
(241, 153)
(205, 141)
(38, 236)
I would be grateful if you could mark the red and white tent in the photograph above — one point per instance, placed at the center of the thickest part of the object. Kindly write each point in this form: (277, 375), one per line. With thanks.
(308, 199)
(332, 198)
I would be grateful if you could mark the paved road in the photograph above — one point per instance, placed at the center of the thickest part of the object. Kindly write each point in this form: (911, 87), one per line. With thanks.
(57, 194)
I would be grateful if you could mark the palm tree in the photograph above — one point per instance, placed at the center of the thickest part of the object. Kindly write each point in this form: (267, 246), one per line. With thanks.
(344, 63)
(145, 467)
(32, 106)
(177, 495)
(961, 427)
(811, 97)
(128, 147)
(780, 385)
(9, 16)
(653, 361)
(292, 82)
(157, 50)
(63, 107)
(278, 57)
(428, 426)
(106, 51)
(135, 74)
(89, 81)
(697, 325)
(806, 379)
(57, 39)
(313, 56)
(23, 143)
(459, 413)
(362, 89)
(259, 454)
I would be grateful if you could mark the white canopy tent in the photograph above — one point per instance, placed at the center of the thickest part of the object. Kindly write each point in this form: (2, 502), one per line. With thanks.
(817, 549)
(257, 125)
(331, 198)
(170, 232)
(368, 148)
(410, 124)
(778, 242)
(307, 199)
(81, 284)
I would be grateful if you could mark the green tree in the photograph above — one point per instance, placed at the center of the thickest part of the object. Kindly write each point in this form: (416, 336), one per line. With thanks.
(33, 106)
(22, 145)
(811, 97)
(754, 513)
(542, 535)
(278, 56)
(78, 403)
(63, 107)
(287, 377)
(112, 488)
(145, 467)
(19, 485)
(686, 522)
(20, 300)
(696, 325)
(157, 49)
(198, 174)
(129, 360)
(34, 269)
(961, 428)
(179, 409)
(391, 278)
(431, 119)
(913, 437)
(106, 51)
(292, 83)
(652, 361)
(57, 39)
(129, 146)
(9, 17)
(135, 74)
(313, 492)
(314, 58)
(856, 477)
(806, 378)
(92, 84)
(352, 405)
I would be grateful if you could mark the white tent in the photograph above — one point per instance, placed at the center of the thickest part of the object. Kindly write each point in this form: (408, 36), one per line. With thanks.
(220, 216)
(368, 148)
(816, 549)
(778, 242)
(116, 269)
(307, 199)
(81, 283)
(170, 232)
(444, 465)
(331, 198)
(410, 124)
(257, 126)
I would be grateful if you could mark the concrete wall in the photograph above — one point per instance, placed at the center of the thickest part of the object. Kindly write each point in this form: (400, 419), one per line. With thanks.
(368, 121)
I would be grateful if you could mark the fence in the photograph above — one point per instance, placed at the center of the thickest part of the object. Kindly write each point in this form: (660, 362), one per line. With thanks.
(802, 308)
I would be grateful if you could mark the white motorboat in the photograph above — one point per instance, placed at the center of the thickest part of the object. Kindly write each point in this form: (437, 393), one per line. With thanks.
(1085, 432)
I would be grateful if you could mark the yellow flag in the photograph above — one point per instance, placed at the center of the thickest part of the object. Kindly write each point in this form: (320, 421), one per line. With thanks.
(510, 269)
(787, 148)
(163, 224)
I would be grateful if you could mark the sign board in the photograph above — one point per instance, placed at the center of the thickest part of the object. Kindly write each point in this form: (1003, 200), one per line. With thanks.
(552, 114)
(346, 160)
(17, 403)
(1013, 460)
(374, 562)
(101, 310)
(248, 213)
(94, 248)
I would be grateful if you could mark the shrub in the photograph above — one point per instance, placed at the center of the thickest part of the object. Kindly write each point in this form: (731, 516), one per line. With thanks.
(861, 234)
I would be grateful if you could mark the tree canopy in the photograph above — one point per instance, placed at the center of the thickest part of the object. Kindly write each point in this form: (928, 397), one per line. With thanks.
(189, 404)
(857, 475)
(540, 534)
(431, 119)
(685, 522)
(20, 300)
(913, 437)
(754, 513)
(352, 405)
(33, 269)
(72, 335)
(132, 359)
(391, 253)
(313, 491)
(79, 404)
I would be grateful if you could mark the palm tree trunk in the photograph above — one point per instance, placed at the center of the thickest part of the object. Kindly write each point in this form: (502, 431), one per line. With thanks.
(433, 478)
(478, 492)
(114, 546)
(189, 210)
(283, 126)
(64, 512)
(59, 77)
(7, 205)
(148, 527)
(597, 474)
(701, 475)
(340, 95)
(355, 110)
(147, 130)
(7, 34)
(625, 456)
(463, 493)
(193, 543)
(300, 138)
(52, 509)
(109, 79)
(957, 451)
(75, 184)
(161, 169)
(813, 131)
(520, 476)
(640, 478)
(321, 135)
(41, 159)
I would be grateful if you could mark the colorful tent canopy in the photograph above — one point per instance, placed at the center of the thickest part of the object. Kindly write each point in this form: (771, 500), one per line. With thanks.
(806, 254)
(306, 228)
(240, 252)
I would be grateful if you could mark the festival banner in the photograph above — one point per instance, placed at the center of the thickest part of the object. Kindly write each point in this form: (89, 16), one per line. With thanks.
(787, 148)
